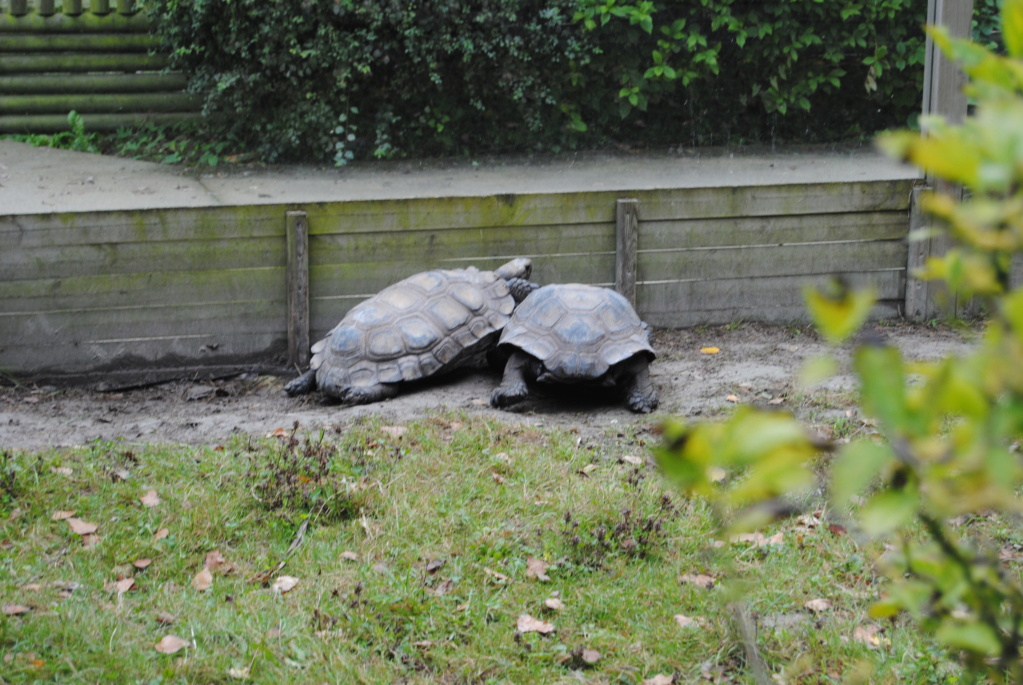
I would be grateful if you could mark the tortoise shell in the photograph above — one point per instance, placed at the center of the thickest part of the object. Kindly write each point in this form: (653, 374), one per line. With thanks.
(578, 331)
(418, 327)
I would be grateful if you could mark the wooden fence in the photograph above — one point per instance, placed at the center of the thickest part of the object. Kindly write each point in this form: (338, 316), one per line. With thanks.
(95, 58)
(173, 291)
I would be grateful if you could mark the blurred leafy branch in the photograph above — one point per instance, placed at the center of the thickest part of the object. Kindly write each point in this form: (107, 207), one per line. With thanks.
(948, 432)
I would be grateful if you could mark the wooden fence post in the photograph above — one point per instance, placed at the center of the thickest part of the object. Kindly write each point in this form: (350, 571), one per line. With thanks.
(943, 95)
(626, 247)
(297, 228)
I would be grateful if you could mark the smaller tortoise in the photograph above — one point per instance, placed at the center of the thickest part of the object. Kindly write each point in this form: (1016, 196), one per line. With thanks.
(574, 333)
(422, 326)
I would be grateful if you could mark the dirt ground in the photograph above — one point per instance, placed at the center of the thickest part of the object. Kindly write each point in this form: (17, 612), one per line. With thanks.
(754, 364)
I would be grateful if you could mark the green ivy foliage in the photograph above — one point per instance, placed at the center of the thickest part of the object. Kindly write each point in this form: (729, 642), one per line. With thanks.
(347, 79)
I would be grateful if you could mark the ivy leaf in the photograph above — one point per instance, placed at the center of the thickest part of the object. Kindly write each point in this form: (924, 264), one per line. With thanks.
(839, 312)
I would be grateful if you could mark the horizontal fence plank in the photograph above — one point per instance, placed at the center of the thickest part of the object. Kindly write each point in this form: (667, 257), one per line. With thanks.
(111, 291)
(127, 324)
(76, 42)
(54, 123)
(771, 260)
(457, 248)
(150, 226)
(771, 300)
(141, 257)
(80, 62)
(172, 356)
(34, 22)
(775, 200)
(92, 83)
(87, 103)
(778, 230)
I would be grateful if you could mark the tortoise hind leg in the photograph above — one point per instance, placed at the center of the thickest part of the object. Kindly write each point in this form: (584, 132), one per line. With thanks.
(513, 388)
(303, 384)
(640, 394)
(367, 394)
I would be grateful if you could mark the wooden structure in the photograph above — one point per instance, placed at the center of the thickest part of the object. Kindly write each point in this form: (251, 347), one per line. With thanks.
(173, 290)
(94, 58)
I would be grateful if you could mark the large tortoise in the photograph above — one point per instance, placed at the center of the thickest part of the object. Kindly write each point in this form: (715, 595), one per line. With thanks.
(422, 326)
(571, 333)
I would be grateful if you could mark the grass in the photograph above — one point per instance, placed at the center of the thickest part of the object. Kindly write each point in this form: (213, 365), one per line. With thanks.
(412, 547)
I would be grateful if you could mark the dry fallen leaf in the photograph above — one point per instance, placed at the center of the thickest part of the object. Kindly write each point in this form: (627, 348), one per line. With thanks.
(528, 624)
(349, 556)
(590, 656)
(90, 540)
(633, 459)
(277, 433)
(142, 564)
(535, 568)
(32, 587)
(394, 431)
(698, 579)
(62, 470)
(818, 605)
(444, 588)
(732, 398)
(284, 584)
(759, 539)
(165, 618)
(213, 560)
(588, 469)
(710, 350)
(686, 622)
(554, 604)
(868, 635)
(660, 679)
(62, 515)
(150, 499)
(203, 580)
(14, 609)
(80, 527)
(119, 587)
(239, 673)
(160, 534)
(498, 577)
(435, 565)
(171, 644)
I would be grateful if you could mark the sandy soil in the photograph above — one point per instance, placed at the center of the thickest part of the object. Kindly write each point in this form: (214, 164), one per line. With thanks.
(755, 364)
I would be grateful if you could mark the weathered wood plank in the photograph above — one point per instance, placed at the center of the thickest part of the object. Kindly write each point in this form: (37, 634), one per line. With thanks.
(772, 300)
(298, 288)
(458, 247)
(179, 353)
(61, 23)
(102, 228)
(626, 242)
(93, 83)
(764, 261)
(125, 258)
(775, 230)
(127, 324)
(89, 103)
(55, 123)
(24, 41)
(780, 200)
(80, 62)
(141, 289)
(599, 207)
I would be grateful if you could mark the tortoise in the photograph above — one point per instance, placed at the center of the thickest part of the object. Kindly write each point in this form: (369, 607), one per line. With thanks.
(420, 327)
(572, 333)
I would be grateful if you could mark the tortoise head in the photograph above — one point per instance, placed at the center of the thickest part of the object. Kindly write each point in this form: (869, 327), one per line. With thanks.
(516, 268)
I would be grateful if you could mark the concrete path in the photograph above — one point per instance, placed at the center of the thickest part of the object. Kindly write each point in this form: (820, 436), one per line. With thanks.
(43, 181)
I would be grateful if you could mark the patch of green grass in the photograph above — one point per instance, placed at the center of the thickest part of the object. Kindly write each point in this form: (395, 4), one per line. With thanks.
(412, 549)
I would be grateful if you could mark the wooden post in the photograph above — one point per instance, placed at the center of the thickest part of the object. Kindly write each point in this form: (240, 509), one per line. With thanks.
(297, 228)
(943, 95)
(19, 8)
(626, 247)
(46, 7)
(72, 7)
(99, 7)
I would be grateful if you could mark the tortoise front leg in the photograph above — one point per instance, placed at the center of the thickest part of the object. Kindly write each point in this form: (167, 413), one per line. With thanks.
(640, 394)
(513, 388)
(367, 394)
